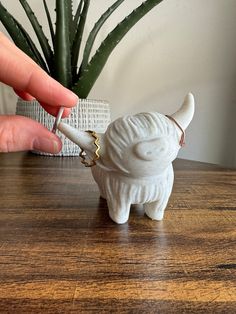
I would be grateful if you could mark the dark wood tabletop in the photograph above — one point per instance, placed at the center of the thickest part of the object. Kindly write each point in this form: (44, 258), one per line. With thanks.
(61, 253)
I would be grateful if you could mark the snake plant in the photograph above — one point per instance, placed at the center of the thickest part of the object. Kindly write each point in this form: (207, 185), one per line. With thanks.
(60, 57)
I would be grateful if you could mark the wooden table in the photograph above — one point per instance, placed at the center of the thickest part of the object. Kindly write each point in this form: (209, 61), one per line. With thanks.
(60, 252)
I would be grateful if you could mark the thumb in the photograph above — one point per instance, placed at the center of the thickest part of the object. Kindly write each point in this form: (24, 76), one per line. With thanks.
(18, 133)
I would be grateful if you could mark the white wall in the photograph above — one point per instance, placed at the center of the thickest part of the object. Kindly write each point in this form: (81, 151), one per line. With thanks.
(181, 46)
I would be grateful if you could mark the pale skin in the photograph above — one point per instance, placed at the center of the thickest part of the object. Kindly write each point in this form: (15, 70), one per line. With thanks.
(29, 81)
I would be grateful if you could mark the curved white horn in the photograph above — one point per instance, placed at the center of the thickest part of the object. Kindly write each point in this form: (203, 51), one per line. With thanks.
(185, 114)
(81, 138)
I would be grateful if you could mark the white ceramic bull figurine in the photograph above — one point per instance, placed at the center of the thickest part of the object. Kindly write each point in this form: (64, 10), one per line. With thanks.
(135, 159)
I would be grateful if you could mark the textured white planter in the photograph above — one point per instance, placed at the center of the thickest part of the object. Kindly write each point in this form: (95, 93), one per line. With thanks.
(87, 115)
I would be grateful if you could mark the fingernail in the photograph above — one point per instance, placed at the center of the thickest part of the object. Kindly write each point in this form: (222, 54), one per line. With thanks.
(73, 98)
(66, 113)
(46, 145)
(56, 147)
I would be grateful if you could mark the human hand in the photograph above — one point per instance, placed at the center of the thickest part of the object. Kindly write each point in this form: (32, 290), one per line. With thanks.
(29, 81)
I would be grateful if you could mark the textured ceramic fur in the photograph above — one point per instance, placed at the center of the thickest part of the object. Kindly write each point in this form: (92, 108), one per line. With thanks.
(135, 164)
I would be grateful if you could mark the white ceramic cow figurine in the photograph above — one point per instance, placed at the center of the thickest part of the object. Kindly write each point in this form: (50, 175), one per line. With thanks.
(135, 159)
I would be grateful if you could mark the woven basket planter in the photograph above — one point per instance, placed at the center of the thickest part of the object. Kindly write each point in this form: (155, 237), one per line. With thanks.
(87, 115)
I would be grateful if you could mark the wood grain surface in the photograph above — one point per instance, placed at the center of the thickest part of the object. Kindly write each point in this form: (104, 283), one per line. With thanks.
(60, 252)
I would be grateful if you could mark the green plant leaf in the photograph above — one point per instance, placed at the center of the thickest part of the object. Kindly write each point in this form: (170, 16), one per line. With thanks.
(37, 54)
(20, 37)
(75, 22)
(70, 18)
(62, 44)
(91, 72)
(49, 22)
(78, 13)
(94, 32)
(78, 38)
(43, 41)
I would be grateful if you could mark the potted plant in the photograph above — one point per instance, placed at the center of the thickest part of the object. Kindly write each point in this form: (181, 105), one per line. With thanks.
(60, 58)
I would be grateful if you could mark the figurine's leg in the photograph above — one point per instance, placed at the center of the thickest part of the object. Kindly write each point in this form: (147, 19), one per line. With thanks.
(97, 175)
(102, 195)
(118, 212)
(155, 210)
(101, 192)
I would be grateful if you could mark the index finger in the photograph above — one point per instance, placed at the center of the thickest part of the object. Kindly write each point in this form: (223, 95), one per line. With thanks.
(18, 72)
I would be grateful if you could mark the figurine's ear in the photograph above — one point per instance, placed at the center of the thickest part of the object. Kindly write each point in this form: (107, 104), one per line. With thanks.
(151, 149)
